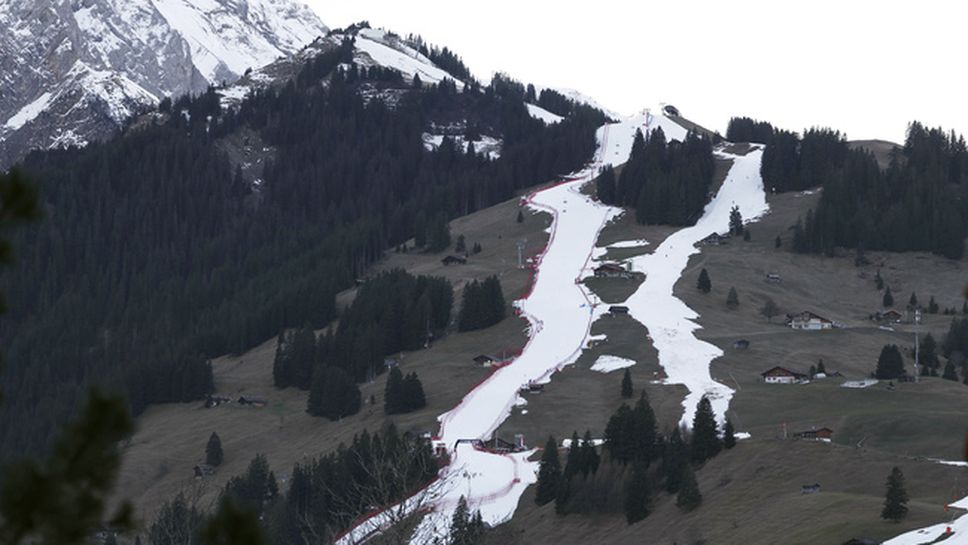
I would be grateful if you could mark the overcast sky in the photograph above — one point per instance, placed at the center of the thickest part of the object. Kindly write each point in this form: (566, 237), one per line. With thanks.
(865, 68)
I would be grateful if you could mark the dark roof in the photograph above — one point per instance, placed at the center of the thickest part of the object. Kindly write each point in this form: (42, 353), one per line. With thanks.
(778, 368)
(610, 267)
(809, 315)
(618, 308)
(483, 358)
(453, 259)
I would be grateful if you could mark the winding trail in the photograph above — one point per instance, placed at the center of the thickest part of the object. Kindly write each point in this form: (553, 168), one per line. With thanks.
(561, 312)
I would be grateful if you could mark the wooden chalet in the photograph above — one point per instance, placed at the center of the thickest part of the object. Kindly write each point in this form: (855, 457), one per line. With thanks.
(252, 400)
(611, 270)
(816, 434)
(485, 360)
(782, 375)
(809, 321)
(618, 310)
(714, 239)
(889, 316)
(454, 260)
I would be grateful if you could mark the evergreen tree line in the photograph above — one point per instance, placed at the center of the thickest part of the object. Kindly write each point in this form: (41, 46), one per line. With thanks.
(157, 253)
(403, 394)
(637, 463)
(324, 497)
(745, 129)
(915, 204)
(482, 304)
(666, 182)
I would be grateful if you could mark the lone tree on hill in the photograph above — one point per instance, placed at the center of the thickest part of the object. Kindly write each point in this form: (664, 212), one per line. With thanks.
(704, 284)
(213, 450)
(890, 364)
(689, 496)
(735, 221)
(729, 435)
(627, 389)
(913, 301)
(769, 309)
(549, 475)
(732, 300)
(705, 437)
(888, 300)
(895, 502)
(520, 218)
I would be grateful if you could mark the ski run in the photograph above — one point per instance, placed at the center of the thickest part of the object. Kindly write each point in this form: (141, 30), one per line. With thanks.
(561, 312)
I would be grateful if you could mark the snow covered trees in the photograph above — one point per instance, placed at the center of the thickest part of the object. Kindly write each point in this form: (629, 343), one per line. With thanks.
(890, 364)
(895, 501)
(482, 305)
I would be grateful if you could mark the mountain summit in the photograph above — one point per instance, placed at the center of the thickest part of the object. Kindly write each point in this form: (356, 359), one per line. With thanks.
(71, 71)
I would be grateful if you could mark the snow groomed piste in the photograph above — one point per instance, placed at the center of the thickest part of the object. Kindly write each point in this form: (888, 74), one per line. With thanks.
(560, 312)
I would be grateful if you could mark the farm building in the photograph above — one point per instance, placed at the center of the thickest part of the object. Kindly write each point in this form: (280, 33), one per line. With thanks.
(889, 316)
(485, 360)
(810, 488)
(618, 310)
(532, 388)
(816, 434)
(611, 270)
(250, 400)
(773, 278)
(809, 321)
(714, 239)
(782, 375)
(741, 344)
(454, 259)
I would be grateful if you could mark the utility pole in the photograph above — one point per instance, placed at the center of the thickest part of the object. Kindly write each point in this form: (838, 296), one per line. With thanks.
(917, 345)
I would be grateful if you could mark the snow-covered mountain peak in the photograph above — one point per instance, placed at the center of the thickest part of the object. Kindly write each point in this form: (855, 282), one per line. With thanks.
(81, 67)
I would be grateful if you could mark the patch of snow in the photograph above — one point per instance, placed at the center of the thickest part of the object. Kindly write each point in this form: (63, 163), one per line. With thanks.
(486, 145)
(629, 243)
(931, 534)
(859, 383)
(686, 359)
(741, 435)
(538, 112)
(566, 443)
(407, 64)
(607, 364)
(29, 112)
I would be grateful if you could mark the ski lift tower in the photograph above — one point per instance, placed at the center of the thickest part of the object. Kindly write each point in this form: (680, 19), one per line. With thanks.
(521, 243)
(917, 346)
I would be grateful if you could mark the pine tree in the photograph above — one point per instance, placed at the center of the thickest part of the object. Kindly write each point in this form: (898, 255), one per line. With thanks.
(549, 474)
(735, 221)
(778, 242)
(520, 218)
(588, 456)
(627, 390)
(890, 364)
(769, 309)
(949, 372)
(638, 494)
(704, 284)
(913, 301)
(932, 306)
(895, 501)
(732, 300)
(689, 496)
(729, 435)
(888, 300)
(573, 461)
(879, 281)
(823, 369)
(813, 371)
(393, 402)
(605, 186)
(333, 394)
(705, 439)
(928, 352)
(642, 436)
(461, 245)
(213, 450)
(675, 458)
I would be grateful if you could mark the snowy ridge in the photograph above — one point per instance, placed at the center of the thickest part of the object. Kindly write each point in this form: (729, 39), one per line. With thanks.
(379, 47)
(538, 112)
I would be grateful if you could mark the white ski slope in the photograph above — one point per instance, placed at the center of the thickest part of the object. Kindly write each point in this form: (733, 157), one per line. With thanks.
(958, 527)
(669, 321)
(561, 312)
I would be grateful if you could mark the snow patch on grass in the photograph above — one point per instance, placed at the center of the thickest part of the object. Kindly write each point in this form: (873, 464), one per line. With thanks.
(607, 364)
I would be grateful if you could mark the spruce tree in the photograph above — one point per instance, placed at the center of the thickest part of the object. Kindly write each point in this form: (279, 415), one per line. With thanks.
(573, 461)
(890, 364)
(705, 438)
(520, 218)
(735, 221)
(732, 299)
(703, 283)
(895, 501)
(642, 432)
(461, 245)
(769, 309)
(588, 456)
(689, 496)
(393, 402)
(729, 435)
(213, 450)
(778, 242)
(675, 458)
(913, 301)
(932, 306)
(888, 300)
(821, 368)
(638, 493)
(549, 474)
(627, 390)
(949, 372)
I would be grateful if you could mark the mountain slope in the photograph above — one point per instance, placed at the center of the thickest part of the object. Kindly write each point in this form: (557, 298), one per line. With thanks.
(72, 72)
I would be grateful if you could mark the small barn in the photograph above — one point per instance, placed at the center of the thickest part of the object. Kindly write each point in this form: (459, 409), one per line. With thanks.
(611, 270)
(485, 360)
(741, 344)
(454, 260)
(532, 388)
(390, 363)
(816, 434)
(810, 488)
(888, 316)
(809, 321)
(618, 310)
(782, 375)
(773, 278)
(714, 239)
(252, 400)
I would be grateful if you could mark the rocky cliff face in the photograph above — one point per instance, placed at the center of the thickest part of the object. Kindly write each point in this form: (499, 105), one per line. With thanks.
(71, 71)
